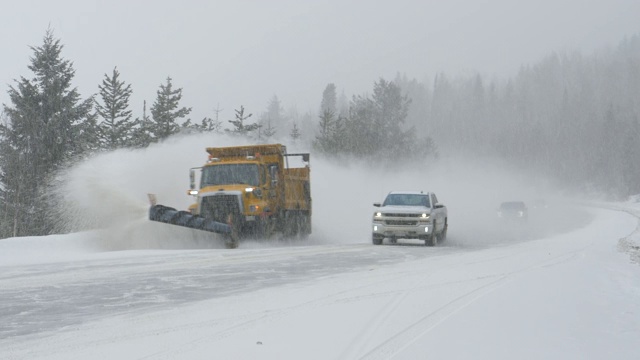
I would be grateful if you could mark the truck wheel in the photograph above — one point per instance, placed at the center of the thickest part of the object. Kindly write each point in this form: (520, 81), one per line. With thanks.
(305, 226)
(377, 239)
(291, 224)
(432, 238)
(443, 234)
(265, 228)
(231, 241)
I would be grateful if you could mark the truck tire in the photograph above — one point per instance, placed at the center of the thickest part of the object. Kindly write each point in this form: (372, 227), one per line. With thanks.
(230, 241)
(432, 239)
(443, 234)
(266, 228)
(377, 239)
(291, 224)
(305, 226)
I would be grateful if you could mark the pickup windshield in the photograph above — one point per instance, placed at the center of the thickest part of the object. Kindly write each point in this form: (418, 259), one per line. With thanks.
(230, 174)
(407, 200)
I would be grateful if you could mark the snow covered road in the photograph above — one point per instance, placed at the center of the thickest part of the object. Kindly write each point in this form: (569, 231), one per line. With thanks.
(567, 296)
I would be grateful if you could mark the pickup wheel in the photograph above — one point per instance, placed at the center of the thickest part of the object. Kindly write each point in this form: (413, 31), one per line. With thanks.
(432, 239)
(377, 239)
(443, 234)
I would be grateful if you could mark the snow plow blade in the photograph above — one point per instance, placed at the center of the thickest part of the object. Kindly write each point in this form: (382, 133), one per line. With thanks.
(169, 215)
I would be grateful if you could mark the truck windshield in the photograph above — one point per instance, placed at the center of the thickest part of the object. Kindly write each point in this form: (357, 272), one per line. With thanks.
(407, 200)
(228, 174)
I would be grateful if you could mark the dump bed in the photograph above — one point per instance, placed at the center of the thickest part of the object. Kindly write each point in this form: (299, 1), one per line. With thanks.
(297, 189)
(266, 153)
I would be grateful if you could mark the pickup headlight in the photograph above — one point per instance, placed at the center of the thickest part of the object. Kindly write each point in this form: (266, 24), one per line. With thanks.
(377, 214)
(424, 217)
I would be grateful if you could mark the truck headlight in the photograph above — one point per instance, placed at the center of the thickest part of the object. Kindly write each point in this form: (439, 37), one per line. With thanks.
(256, 191)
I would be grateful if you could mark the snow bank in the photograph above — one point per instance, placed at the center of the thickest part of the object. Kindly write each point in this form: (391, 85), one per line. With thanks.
(45, 249)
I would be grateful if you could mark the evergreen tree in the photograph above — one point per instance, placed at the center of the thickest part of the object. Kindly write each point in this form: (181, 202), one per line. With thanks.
(142, 135)
(269, 131)
(295, 132)
(240, 128)
(11, 170)
(116, 129)
(329, 100)
(209, 124)
(274, 114)
(326, 133)
(47, 125)
(339, 138)
(360, 137)
(165, 112)
(390, 111)
(374, 127)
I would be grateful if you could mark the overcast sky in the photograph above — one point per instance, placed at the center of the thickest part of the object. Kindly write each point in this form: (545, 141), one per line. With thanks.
(244, 52)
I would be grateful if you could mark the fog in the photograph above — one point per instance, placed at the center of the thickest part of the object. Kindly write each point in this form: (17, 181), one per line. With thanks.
(109, 192)
(243, 52)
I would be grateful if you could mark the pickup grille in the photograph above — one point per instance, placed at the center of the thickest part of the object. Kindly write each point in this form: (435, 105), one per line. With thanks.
(402, 215)
(218, 207)
(401, 222)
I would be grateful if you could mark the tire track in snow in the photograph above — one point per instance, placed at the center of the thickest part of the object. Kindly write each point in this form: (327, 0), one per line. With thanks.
(250, 321)
(376, 323)
(404, 338)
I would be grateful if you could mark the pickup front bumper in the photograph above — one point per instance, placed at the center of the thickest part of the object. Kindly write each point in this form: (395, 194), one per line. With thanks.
(402, 228)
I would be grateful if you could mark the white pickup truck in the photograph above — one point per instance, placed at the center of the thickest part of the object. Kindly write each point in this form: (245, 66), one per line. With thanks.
(410, 215)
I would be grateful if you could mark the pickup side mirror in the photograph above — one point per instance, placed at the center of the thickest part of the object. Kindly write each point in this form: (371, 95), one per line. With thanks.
(438, 206)
(376, 204)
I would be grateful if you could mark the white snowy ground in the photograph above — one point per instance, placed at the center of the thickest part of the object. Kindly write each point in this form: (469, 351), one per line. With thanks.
(564, 286)
(569, 296)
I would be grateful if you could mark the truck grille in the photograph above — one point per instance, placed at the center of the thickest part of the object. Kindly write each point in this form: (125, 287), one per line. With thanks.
(402, 215)
(219, 207)
(401, 222)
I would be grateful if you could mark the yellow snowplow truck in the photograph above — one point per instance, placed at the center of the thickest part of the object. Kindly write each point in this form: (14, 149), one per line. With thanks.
(247, 191)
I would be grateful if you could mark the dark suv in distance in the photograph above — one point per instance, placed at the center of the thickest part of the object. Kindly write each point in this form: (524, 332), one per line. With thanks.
(513, 210)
